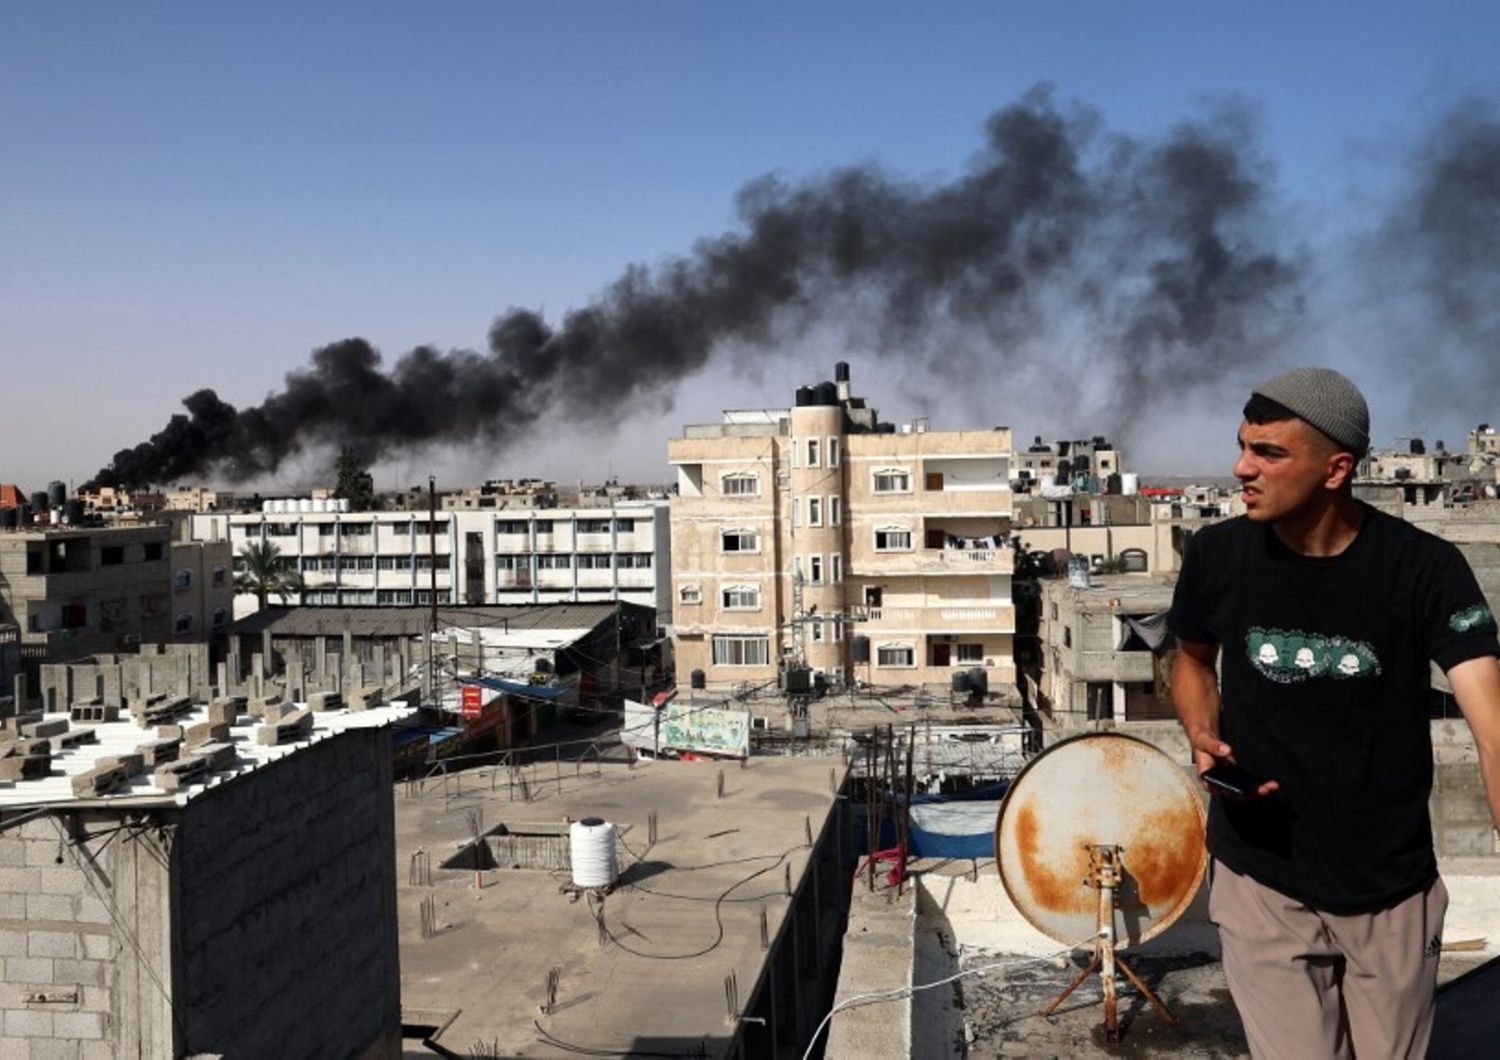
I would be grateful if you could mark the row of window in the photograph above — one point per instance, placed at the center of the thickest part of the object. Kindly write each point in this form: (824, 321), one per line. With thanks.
(502, 526)
(730, 649)
(583, 561)
(183, 579)
(742, 539)
(114, 555)
(747, 483)
(352, 529)
(367, 563)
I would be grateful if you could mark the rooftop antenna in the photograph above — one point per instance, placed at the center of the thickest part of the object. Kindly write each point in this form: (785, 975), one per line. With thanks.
(1102, 835)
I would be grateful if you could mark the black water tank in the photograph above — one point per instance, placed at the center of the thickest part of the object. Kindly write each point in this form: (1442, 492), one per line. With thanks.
(861, 648)
(10, 518)
(1113, 483)
(979, 681)
(1418, 447)
(827, 394)
(57, 493)
(961, 682)
(73, 511)
(698, 679)
(804, 396)
(841, 372)
(39, 501)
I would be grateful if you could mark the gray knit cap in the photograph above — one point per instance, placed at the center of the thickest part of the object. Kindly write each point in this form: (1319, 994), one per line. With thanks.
(1327, 400)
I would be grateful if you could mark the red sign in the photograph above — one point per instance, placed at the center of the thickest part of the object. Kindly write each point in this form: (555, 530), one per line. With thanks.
(469, 700)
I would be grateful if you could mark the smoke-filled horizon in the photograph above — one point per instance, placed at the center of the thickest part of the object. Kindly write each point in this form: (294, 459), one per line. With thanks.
(1165, 260)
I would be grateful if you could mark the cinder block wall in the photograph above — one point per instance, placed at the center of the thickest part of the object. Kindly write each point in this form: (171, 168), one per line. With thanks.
(284, 914)
(59, 949)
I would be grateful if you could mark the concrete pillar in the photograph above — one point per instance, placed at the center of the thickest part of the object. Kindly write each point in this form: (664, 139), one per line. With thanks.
(320, 660)
(20, 691)
(478, 653)
(346, 660)
(236, 665)
(267, 654)
(382, 672)
(224, 689)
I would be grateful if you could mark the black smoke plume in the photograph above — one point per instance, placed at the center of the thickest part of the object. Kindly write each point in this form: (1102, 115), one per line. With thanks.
(1158, 251)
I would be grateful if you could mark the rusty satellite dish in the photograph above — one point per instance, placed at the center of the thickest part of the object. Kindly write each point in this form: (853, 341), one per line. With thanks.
(1101, 836)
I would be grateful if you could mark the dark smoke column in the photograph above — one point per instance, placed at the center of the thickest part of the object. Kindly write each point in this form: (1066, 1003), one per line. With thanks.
(1156, 250)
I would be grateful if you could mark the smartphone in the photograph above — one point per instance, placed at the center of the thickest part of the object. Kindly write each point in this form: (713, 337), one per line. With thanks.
(1232, 779)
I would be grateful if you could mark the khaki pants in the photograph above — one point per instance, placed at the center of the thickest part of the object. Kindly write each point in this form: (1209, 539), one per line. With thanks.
(1316, 985)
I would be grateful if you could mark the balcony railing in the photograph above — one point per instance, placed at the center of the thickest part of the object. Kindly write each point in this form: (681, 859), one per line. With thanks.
(937, 561)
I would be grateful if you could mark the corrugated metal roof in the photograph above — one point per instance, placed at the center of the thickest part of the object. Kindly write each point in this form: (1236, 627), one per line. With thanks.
(415, 621)
(124, 736)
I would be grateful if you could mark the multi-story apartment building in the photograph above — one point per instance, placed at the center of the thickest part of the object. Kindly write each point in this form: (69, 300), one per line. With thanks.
(548, 555)
(81, 591)
(202, 590)
(819, 535)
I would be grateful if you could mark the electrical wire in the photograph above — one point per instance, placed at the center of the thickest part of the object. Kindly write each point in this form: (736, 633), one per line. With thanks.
(898, 993)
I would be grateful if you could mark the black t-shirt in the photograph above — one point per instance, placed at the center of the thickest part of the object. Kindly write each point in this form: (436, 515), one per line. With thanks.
(1325, 683)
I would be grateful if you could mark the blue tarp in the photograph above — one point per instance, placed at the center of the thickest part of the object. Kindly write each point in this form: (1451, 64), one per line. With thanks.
(961, 825)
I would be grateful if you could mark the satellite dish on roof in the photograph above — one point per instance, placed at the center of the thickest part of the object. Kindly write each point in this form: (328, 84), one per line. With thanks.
(1102, 835)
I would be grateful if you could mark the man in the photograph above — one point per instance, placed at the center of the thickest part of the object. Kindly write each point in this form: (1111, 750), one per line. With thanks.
(1327, 612)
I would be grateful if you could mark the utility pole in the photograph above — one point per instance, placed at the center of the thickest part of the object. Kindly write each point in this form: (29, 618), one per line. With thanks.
(432, 578)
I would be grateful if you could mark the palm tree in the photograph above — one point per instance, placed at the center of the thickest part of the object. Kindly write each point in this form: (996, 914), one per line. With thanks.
(266, 572)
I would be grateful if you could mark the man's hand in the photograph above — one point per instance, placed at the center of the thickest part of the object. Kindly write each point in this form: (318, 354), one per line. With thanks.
(1476, 686)
(1195, 692)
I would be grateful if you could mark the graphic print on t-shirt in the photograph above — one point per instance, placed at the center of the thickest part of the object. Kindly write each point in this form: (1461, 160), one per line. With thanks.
(1289, 656)
(1471, 618)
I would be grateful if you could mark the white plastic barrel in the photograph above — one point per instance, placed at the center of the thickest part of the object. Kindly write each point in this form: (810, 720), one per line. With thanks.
(591, 842)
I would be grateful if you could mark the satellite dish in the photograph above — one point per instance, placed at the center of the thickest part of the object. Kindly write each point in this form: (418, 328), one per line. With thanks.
(1101, 836)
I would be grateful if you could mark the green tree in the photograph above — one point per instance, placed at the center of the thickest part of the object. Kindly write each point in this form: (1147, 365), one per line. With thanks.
(266, 573)
(354, 482)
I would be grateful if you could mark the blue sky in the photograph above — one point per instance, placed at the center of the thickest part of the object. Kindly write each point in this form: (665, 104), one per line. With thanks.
(199, 194)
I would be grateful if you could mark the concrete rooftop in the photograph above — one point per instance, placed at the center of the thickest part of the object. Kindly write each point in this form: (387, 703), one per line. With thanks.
(482, 978)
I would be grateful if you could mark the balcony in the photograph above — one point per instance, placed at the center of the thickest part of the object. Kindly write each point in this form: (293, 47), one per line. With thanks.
(513, 579)
(996, 618)
(936, 561)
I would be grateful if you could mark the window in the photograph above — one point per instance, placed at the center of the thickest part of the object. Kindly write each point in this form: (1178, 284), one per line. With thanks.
(690, 594)
(833, 452)
(815, 630)
(75, 616)
(111, 555)
(219, 575)
(393, 596)
(281, 529)
(633, 560)
(835, 629)
(895, 655)
(182, 580)
(348, 563)
(510, 561)
(741, 598)
(220, 618)
(182, 624)
(554, 561)
(510, 526)
(153, 606)
(740, 541)
(624, 526)
(812, 453)
(307, 563)
(1134, 560)
(544, 526)
(355, 529)
(594, 561)
(593, 526)
(740, 484)
(384, 563)
(154, 551)
(1067, 636)
(328, 563)
(401, 528)
(815, 570)
(328, 529)
(893, 480)
(424, 562)
(893, 539)
(971, 653)
(835, 568)
(741, 651)
(835, 510)
(402, 562)
(814, 511)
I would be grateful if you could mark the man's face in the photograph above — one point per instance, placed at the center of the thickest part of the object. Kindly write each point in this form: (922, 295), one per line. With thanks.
(1284, 466)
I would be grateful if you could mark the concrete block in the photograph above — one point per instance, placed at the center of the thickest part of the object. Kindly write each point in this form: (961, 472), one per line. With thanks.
(41, 853)
(60, 879)
(12, 907)
(101, 780)
(32, 747)
(12, 854)
(223, 712)
(81, 973)
(103, 1050)
(174, 776)
(95, 999)
(294, 726)
(31, 767)
(51, 944)
(41, 730)
(28, 1024)
(93, 712)
(131, 762)
(54, 1049)
(82, 1025)
(77, 737)
(49, 907)
(35, 970)
(258, 705)
(92, 910)
(12, 943)
(169, 732)
(98, 947)
(159, 752)
(218, 756)
(325, 701)
(206, 732)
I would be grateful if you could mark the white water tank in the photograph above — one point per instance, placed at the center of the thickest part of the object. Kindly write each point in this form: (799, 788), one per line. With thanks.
(591, 843)
(304, 504)
(267, 507)
(343, 503)
(1130, 483)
